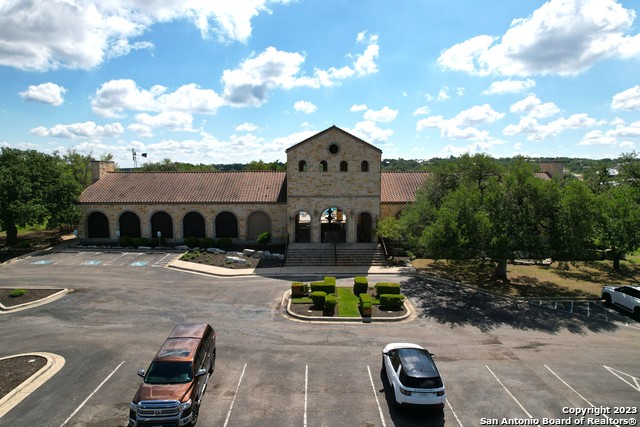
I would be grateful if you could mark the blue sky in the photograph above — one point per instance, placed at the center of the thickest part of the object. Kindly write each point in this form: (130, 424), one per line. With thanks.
(223, 82)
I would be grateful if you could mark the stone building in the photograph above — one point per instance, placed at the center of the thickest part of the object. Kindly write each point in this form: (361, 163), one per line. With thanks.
(332, 191)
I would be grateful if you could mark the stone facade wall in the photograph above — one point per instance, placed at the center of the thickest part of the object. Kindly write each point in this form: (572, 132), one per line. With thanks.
(313, 191)
(275, 211)
(391, 209)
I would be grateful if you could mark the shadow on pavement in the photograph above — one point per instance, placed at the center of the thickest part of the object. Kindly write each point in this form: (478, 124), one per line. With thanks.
(457, 305)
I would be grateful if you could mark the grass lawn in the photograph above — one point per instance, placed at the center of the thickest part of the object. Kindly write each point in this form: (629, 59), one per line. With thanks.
(579, 279)
(347, 302)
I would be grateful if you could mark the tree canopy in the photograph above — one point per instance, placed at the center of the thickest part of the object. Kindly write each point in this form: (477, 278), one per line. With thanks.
(36, 188)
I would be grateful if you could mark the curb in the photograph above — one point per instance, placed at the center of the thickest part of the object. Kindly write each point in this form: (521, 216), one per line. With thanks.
(28, 386)
(288, 314)
(26, 305)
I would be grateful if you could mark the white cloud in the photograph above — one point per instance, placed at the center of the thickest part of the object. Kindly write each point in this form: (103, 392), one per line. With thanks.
(360, 107)
(87, 130)
(249, 83)
(384, 115)
(421, 111)
(116, 96)
(531, 106)
(246, 127)
(563, 37)
(509, 86)
(627, 100)
(370, 132)
(83, 33)
(538, 132)
(305, 107)
(46, 93)
(596, 137)
(442, 96)
(476, 147)
(143, 131)
(170, 120)
(462, 126)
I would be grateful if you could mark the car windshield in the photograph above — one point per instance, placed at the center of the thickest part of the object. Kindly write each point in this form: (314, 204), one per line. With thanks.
(169, 373)
(418, 369)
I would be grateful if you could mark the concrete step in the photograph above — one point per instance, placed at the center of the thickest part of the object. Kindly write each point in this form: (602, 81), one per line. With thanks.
(344, 254)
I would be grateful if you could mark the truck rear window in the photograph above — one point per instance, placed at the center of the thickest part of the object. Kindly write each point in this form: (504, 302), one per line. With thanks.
(169, 373)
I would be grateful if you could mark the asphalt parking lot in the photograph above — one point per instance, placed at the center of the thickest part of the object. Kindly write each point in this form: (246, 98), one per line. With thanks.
(499, 359)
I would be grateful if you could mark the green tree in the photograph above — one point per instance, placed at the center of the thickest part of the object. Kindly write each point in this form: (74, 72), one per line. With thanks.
(79, 166)
(619, 222)
(36, 188)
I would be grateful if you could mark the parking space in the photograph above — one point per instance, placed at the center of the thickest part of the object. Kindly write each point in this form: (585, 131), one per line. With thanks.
(593, 309)
(101, 258)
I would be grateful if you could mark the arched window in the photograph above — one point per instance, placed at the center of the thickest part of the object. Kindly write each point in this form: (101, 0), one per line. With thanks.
(97, 226)
(226, 225)
(323, 166)
(302, 166)
(344, 166)
(162, 222)
(129, 225)
(193, 225)
(257, 223)
(364, 166)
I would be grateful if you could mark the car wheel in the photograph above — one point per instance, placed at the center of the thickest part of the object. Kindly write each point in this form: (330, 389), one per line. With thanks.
(195, 412)
(636, 313)
(212, 367)
(607, 298)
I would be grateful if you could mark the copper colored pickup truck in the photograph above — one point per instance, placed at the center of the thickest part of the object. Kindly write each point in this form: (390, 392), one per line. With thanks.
(173, 386)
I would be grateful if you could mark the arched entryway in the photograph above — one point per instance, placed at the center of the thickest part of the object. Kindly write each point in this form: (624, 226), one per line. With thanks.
(193, 225)
(162, 222)
(257, 223)
(333, 226)
(129, 225)
(98, 226)
(226, 225)
(303, 227)
(364, 227)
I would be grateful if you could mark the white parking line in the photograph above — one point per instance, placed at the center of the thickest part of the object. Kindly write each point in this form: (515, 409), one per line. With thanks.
(306, 383)
(579, 395)
(375, 394)
(94, 392)
(621, 375)
(453, 412)
(512, 396)
(234, 396)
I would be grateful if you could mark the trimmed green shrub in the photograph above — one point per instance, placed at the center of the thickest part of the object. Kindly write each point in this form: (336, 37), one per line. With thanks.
(392, 301)
(192, 242)
(18, 293)
(387, 288)
(330, 303)
(140, 241)
(330, 280)
(154, 241)
(360, 285)
(323, 286)
(206, 242)
(126, 241)
(318, 298)
(298, 289)
(365, 298)
(264, 238)
(224, 242)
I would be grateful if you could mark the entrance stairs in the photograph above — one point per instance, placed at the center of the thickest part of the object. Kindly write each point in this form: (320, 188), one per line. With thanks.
(344, 254)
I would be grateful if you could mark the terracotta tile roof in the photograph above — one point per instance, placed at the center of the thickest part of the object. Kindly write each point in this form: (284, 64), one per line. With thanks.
(188, 187)
(543, 175)
(400, 187)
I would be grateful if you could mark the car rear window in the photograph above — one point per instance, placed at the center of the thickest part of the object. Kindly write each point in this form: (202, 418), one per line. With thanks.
(420, 382)
(169, 373)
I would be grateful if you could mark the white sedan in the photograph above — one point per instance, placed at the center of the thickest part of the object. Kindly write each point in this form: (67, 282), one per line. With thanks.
(626, 297)
(413, 375)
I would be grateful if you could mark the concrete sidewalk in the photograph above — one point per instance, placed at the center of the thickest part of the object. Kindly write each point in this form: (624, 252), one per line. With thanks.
(289, 271)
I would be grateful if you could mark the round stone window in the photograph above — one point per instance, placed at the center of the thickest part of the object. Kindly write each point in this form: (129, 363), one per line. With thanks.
(333, 148)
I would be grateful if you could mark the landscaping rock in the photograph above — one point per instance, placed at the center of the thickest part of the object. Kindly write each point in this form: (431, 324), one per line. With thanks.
(182, 248)
(216, 251)
(236, 260)
(248, 252)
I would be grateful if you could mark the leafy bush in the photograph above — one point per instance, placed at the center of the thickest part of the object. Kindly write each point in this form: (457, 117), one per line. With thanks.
(330, 280)
(318, 298)
(126, 241)
(360, 285)
(154, 241)
(366, 305)
(224, 242)
(264, 238)
(140, 241)
(206, 242)
(18, 293)
(323, 286)
(298, 289)
(330, 303)
(192, 242)
(365, 298)
(387, 288)
(392, 301)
